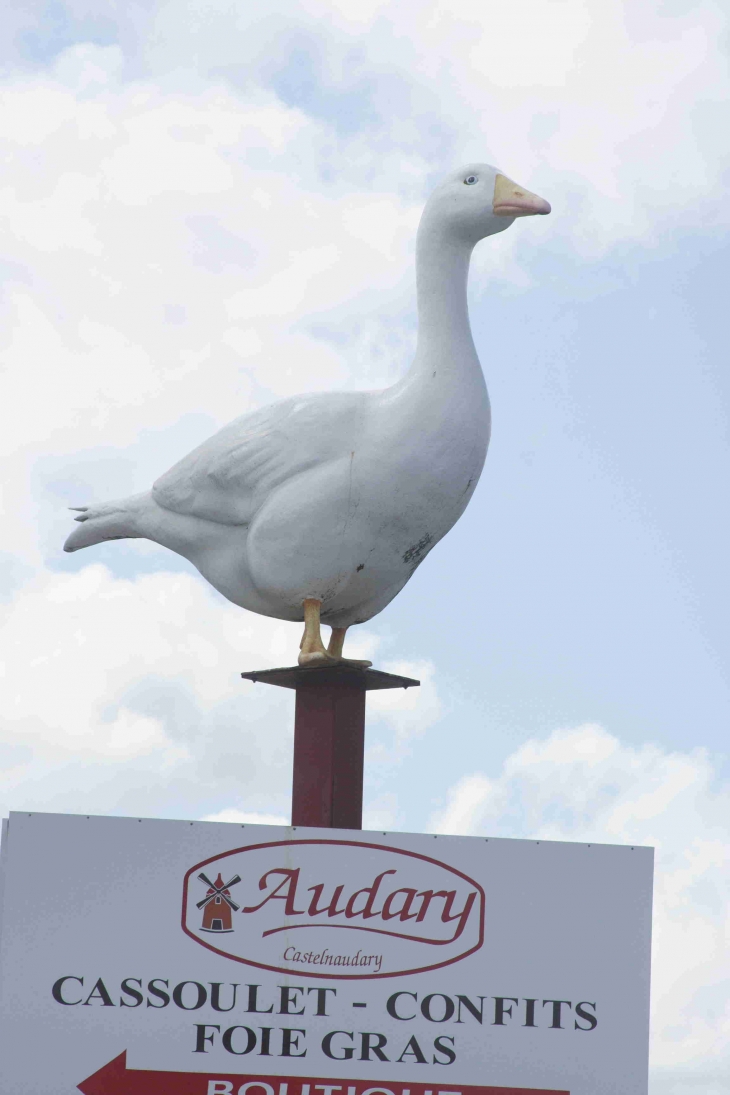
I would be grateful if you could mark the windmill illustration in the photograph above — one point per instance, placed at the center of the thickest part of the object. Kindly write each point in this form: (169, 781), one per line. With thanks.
(217, 905)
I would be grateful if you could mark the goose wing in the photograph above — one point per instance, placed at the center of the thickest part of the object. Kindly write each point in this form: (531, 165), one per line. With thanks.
(229, 476)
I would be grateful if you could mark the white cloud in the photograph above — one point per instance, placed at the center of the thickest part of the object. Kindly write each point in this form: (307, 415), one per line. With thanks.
(382, 814)
(241, 817)
(583, 784)
(125, 696)
(114, 700)
(613, 108)
(412, 710)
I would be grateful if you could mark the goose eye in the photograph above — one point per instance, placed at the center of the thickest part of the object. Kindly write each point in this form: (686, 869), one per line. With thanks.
(470, 180)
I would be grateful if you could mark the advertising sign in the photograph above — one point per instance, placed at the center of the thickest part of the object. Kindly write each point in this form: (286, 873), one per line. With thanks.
(143, 957)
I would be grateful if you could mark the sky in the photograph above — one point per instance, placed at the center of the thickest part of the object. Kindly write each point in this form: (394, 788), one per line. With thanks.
(205, 207)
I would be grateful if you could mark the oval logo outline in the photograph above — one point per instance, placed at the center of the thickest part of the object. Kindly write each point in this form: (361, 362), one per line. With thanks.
(339, 843)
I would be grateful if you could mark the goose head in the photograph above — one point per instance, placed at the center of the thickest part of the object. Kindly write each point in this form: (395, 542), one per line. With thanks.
(477, 201)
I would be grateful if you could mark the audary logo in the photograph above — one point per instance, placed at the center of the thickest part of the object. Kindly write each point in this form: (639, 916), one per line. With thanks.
(334, 909)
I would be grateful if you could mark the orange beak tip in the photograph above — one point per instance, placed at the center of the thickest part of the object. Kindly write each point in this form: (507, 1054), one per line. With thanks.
(511, 200)
(523, 207)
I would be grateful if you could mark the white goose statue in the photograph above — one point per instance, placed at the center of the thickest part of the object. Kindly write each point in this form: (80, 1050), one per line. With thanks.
(320, 507)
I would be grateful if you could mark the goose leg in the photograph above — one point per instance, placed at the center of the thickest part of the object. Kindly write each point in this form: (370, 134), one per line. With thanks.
(337, 641)
(312, 649)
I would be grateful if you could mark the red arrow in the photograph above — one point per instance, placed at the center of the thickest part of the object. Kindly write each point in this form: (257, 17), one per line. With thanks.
(116, 1079)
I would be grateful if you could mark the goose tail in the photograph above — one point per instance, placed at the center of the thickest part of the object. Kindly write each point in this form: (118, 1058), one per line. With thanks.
(106, 521)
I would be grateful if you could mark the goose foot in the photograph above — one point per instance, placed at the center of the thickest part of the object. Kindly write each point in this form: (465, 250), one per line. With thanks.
(322, 657)
(312, 650)
(337, 641)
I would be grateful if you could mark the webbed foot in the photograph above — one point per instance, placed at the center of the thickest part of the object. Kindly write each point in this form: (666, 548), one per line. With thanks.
(312, 649)
(323, 657)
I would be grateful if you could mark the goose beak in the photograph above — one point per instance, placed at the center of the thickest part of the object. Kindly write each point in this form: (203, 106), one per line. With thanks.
(511, 200)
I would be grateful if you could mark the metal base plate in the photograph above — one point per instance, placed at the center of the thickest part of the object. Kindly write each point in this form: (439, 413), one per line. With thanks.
(297, 676)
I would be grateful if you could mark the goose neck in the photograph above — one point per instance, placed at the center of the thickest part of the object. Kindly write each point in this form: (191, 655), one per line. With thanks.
(442, 270)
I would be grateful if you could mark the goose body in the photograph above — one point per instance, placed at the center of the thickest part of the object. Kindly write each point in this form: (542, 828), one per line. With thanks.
(334, 499)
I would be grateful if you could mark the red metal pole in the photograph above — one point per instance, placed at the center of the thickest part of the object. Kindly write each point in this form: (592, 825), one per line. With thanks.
(329, 739)
(329, 747)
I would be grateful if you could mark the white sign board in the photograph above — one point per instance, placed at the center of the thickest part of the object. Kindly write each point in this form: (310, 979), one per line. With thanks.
(142, 957)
